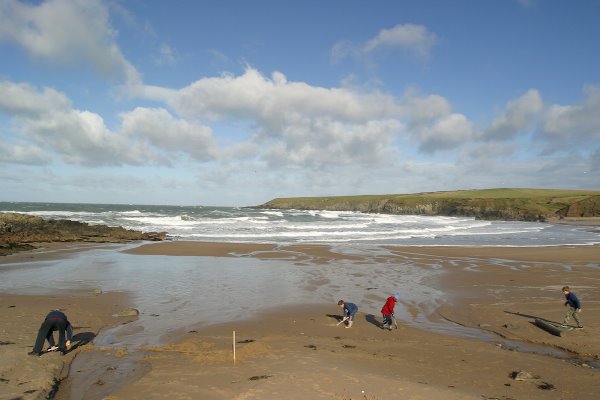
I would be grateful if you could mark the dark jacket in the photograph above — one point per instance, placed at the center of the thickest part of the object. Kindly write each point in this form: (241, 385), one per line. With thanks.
(572, 300)
(350, 309)
(55, 314)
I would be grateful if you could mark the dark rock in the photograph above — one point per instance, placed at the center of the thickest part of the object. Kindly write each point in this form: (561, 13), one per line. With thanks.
(546, 386)
(19, 231)
(257, 377)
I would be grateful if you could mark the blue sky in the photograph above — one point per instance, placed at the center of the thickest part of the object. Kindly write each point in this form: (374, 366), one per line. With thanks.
(239, 102)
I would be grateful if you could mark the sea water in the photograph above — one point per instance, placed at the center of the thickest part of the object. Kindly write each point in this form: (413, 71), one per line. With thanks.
(235, 224)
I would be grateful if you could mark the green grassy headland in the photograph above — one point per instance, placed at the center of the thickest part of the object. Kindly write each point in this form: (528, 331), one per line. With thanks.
(501, 203)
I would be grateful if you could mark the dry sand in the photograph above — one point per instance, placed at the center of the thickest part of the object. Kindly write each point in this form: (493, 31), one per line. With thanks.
(300, 353)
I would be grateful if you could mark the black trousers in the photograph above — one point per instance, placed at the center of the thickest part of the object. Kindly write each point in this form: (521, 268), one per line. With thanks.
(45, 333)
(387, 320)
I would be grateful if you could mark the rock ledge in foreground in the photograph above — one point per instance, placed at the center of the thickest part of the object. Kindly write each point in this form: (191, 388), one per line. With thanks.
(19, 231)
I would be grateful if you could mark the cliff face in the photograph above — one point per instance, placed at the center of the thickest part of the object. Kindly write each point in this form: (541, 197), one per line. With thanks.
(589, 207)
(493, 204)
(19, 231)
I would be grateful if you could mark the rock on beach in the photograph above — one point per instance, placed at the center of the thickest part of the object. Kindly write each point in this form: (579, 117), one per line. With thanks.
(18, 232)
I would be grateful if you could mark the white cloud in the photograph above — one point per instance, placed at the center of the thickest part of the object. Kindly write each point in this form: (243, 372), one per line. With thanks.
(416, 39)
(447, 132)
(408, 36)
(67, 32)
(252, 96)
(22, 99)
(79, 137)
(47, 120)
(519, 115)
(23, 153)
(300, 129)
(572, 122)
(159, 128)
(432, 125)
(488, 150)
(423, 109)
(292, 121)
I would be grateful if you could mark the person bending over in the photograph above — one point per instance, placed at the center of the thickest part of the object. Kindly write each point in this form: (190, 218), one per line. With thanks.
(55, 321)
(350, 310)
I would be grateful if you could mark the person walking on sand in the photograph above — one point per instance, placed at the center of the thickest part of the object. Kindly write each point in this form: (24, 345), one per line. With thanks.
(388, 311)
(350, 310)
(573, 307)
(54, 321)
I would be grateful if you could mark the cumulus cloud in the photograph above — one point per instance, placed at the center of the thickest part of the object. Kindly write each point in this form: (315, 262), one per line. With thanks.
(575, 121)
(292, 126)
(416, 39)
(160, 129)
(257, 97)
(23, 153)
(519, 115)
(293, 122)
(67, 32)
(446, 132)
(46, 119)
(432, 125)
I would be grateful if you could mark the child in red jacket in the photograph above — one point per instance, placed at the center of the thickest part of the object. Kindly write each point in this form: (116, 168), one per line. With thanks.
(388, 311)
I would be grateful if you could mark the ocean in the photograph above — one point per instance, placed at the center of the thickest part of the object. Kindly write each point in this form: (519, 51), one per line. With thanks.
(238, 224)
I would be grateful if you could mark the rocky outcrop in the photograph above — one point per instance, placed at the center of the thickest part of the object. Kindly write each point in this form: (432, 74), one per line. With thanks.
(19, 231)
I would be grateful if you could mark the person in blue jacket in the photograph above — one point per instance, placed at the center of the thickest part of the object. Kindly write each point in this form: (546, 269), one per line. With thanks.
(573, 307)
(350, 310)
(55, 321)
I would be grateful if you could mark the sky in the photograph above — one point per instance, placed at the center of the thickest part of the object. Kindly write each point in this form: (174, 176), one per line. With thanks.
(234, 103)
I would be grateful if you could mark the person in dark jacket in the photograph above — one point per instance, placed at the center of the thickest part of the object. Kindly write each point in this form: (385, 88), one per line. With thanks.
(350, 310)
(573, 307)
(54, 321)
(388, 311)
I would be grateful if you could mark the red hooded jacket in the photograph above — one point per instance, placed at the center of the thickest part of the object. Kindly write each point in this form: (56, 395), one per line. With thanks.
(388, 307)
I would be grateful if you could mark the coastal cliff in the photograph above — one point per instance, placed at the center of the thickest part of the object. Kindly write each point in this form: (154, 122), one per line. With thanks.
(491, 204)
(19, 231)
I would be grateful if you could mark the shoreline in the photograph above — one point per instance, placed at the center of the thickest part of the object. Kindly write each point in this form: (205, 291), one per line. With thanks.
(481, 285)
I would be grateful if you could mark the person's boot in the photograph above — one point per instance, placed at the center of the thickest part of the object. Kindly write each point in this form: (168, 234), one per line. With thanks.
(349, 324)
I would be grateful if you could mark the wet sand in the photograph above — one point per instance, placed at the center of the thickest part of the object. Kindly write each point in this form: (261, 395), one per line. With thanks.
(298, 352)
(30, 377)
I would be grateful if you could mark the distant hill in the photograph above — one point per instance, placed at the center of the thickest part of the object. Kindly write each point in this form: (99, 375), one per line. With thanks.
(499, 204)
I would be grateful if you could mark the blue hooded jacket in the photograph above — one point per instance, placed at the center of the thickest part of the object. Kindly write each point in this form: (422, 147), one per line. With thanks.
(572, 300)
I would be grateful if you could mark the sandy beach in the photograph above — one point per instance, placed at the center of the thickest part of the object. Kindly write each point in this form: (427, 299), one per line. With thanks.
(470, 345)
